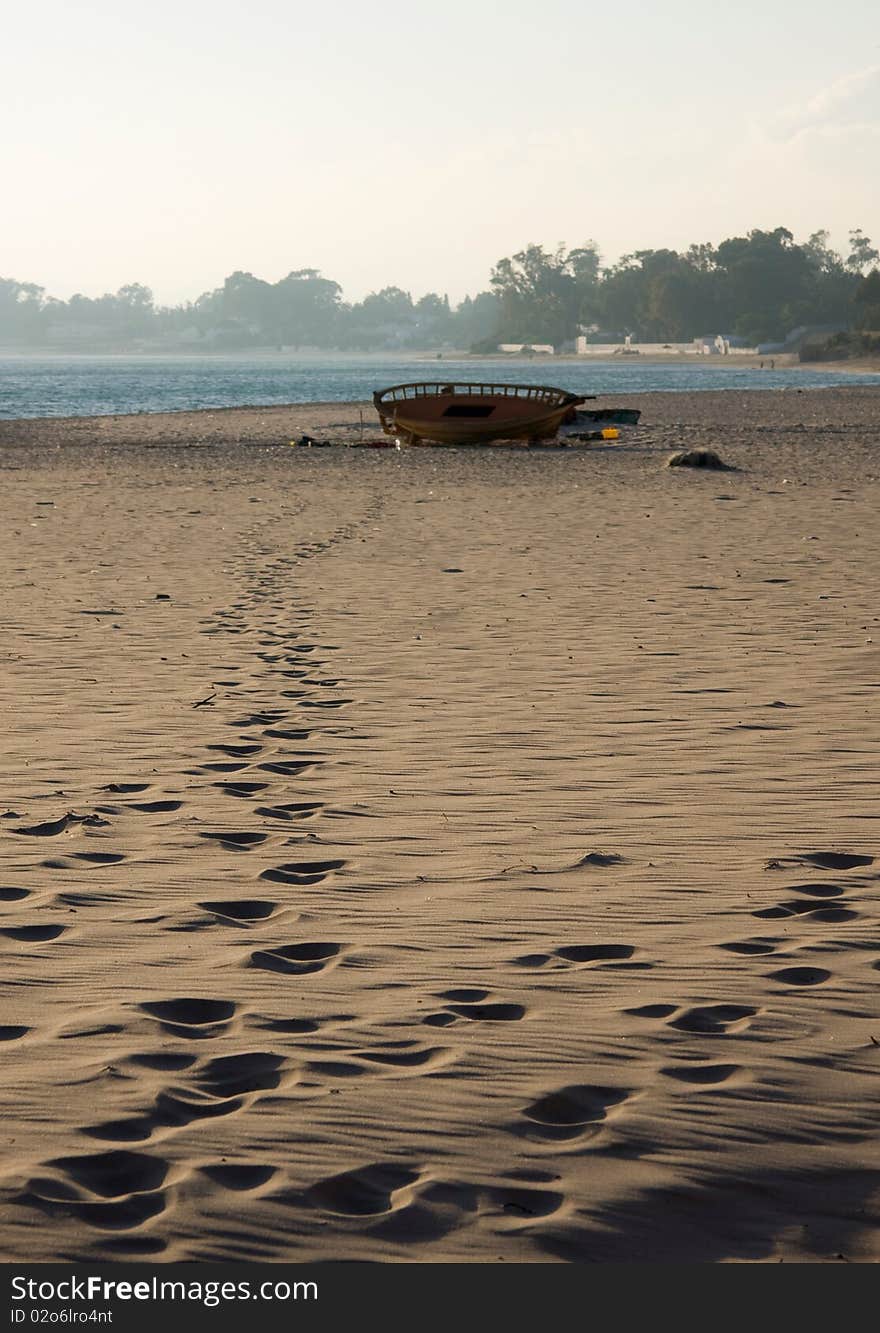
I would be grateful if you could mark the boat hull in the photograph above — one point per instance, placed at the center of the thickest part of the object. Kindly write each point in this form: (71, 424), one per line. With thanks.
(472, 414)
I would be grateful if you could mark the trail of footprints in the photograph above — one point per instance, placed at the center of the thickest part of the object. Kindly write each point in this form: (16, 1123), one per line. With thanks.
(120, 1189)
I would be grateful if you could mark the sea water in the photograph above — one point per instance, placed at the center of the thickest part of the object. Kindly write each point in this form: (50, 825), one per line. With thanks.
(70, 386)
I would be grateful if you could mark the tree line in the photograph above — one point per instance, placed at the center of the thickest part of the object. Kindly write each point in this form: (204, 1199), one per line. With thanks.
(756, 287)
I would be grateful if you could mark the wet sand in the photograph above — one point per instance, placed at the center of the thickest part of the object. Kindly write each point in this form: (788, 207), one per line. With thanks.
(436, 856)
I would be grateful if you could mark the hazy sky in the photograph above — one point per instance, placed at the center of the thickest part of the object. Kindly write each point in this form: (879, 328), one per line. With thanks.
(399, 142)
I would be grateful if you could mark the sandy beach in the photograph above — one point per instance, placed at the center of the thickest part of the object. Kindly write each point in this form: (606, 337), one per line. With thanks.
(440, 856)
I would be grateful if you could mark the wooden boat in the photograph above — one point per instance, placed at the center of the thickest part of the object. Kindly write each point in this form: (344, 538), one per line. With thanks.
(470, 413)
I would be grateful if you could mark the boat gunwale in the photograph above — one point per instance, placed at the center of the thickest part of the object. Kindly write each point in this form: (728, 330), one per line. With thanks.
(538, 393)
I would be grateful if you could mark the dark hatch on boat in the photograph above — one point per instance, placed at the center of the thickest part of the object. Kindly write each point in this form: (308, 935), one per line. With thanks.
(469, 410)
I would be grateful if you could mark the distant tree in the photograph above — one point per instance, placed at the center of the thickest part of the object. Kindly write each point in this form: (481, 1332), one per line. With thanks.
(861, 252)
(622, 294)
(433, 324)
(476, 322)
(663, 296)
(388, 304)
(832, 284)
(22, 312)
(306, 309)
(538, 296)
(584, 264)
(823, 258)
(703, 257)
(248, 299)
(768, 283)
(132, 313)
(385, 318)
(432, 306)
(136, 296)
(867, 302)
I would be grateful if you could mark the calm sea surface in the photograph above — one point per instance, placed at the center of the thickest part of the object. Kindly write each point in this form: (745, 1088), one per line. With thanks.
(68, 386)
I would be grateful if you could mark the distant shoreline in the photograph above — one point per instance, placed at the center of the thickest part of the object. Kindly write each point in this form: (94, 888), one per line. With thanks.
(780, 361)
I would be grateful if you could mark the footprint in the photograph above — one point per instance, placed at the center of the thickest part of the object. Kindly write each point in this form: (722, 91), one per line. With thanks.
(367, 1192)
(836, 860)
(302, 872)
(819, 890)
(164, 1060)
(240, 913)
(292, 811)
(114, 1174)
(13, 895)
(93, 860)
(474, 1004)
(652, 1011)
(236, 751)
(753, 946)
(239, 1177)
(114, 1191)
(237, 842)
(288, 768)
(414, 1057)
(242, 789)
(821, 860)
(490, 1013)
(573, 1112)
(33, 934)
(155, 807)
(702, 1074)
(265, 719)
(298, 959)
(192, 1018)
(580, 953)
(235, 1075)
(801, 976)
(714, 1019)
(290, 1026)
(593, 953)
(136, 1129)
(806, 907)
